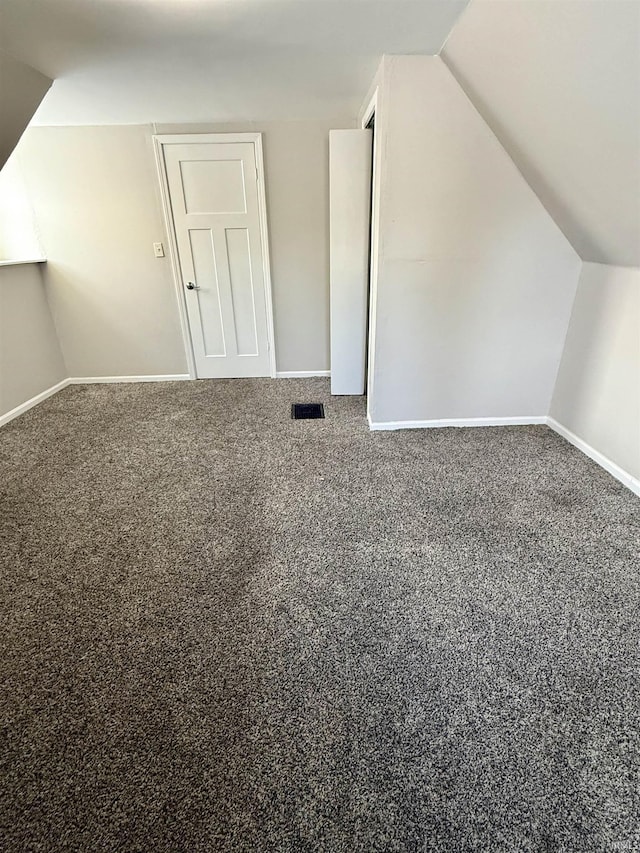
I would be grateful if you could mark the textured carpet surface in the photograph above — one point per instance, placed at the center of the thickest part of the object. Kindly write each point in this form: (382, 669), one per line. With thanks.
(226, 630)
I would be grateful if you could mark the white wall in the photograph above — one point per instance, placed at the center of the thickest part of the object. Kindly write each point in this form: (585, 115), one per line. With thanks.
(597, 394)
(30, 356)
(95, 200)
(475, 280)
(21, 90)
(97, 205)
(297, 185)
(19, 238)
(558, 81)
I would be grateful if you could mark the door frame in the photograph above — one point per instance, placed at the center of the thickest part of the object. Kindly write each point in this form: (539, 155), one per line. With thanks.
(159, 142)
(372, 112)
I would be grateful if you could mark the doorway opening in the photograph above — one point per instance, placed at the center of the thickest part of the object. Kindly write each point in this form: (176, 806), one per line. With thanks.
(369, 121)
(371, 125)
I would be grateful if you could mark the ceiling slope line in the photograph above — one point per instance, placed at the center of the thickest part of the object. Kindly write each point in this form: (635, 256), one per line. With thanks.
(454, 27)
(484, 118)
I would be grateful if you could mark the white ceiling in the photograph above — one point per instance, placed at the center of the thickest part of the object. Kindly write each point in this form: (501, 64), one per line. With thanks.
(136, 61)
(21, 90)
(558, 81)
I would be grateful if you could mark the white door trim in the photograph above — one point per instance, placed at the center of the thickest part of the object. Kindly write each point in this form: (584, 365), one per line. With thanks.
(160, 141)
(376, 159)
(173, 252)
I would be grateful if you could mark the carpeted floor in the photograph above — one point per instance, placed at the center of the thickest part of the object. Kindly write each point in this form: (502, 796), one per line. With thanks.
(224, 630)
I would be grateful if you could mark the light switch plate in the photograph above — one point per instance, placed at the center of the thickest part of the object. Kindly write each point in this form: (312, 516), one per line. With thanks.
(158, 250)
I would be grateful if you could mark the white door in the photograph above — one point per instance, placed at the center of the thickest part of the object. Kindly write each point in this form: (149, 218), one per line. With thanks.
(216, 210)
(349, 239)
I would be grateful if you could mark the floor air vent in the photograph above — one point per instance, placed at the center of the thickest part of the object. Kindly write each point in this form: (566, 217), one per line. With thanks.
(307, 411)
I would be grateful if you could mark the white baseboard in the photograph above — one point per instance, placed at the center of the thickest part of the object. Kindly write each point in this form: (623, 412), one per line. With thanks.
(97, 380)
(300, 374)
(455, 422)
(29, 404)
(83, 380)
(615, 470)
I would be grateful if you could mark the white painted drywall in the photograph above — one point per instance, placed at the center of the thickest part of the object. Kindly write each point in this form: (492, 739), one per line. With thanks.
(349, 216)
(96, 200)
(475, 281)
(21, 90)
(296, 158)
(30, 356)
(95, 197)
(597, 393)
(558, 81)
(19, 238)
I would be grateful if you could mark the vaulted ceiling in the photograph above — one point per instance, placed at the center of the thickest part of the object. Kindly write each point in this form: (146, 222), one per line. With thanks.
(558, 81)
(21, 90)
(133, 61)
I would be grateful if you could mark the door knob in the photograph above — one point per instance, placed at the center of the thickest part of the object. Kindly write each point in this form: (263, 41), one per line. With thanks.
(191, 285)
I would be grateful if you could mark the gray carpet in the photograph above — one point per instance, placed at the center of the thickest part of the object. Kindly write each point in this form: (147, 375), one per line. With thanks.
(224, 630)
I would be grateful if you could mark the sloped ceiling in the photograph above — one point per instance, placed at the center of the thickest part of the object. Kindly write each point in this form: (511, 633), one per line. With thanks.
(558, 81)
(138, 61)
(21, 90)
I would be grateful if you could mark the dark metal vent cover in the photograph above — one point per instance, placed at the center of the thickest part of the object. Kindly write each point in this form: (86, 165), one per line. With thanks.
(306, 411)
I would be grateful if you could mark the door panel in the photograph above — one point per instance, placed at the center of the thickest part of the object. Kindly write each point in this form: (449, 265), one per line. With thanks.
(349, 237)
(213, 188)
(208, 317)
(238, 252)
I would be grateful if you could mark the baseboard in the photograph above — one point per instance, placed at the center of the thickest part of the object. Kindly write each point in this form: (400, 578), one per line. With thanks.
(301, 374)
(83, 380)
(29, 404)
(97, 380)
(455, 422)
(615, 470)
